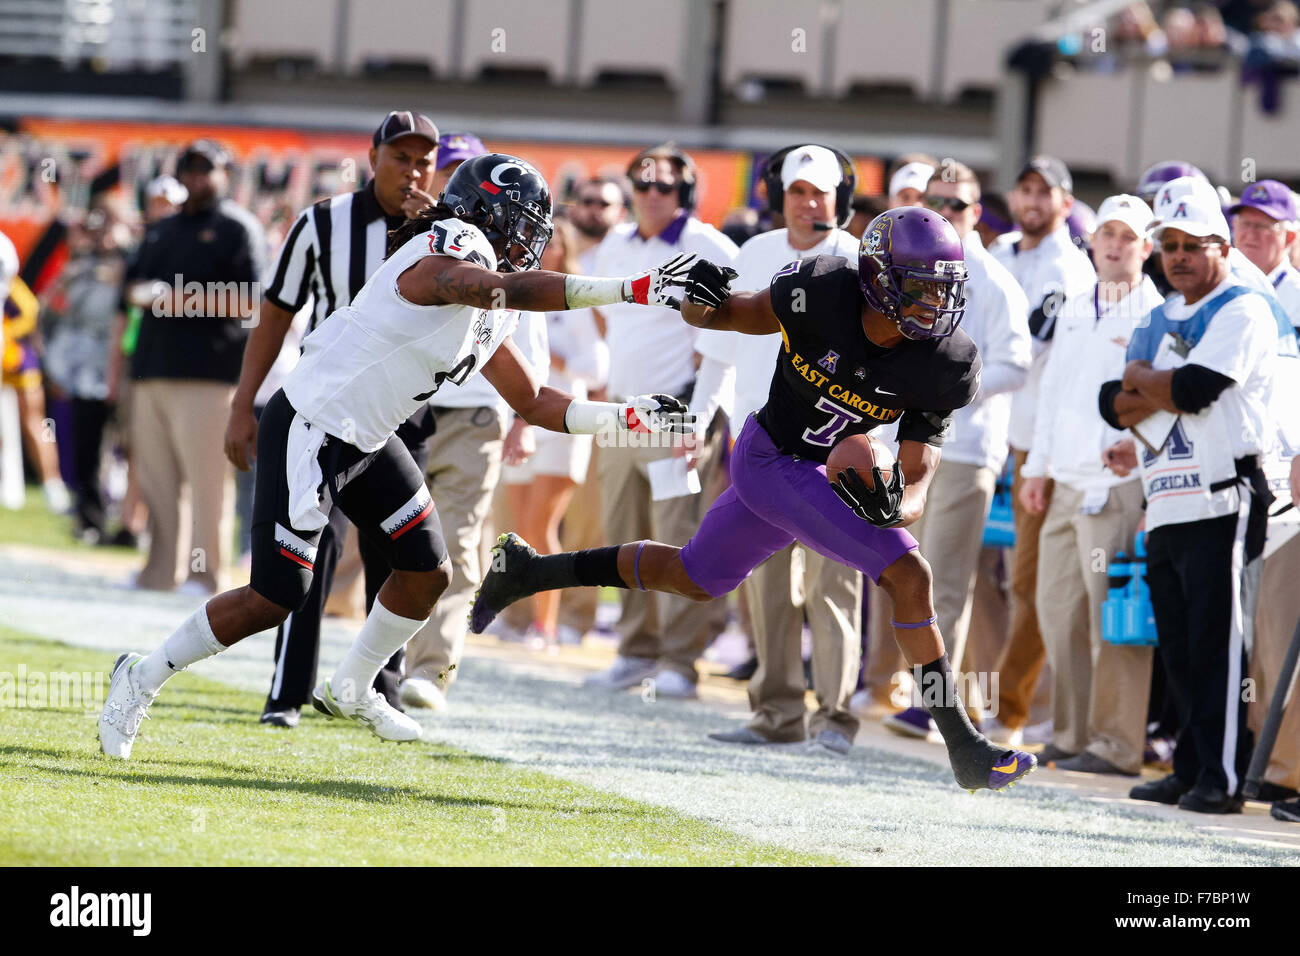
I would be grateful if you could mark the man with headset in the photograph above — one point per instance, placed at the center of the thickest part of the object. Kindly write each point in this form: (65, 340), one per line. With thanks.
(660, 636)
(811, 187)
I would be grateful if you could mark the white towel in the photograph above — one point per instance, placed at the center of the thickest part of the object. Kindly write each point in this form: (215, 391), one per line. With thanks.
(302, 471)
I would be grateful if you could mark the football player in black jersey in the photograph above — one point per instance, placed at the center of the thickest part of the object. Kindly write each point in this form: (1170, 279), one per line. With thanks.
(862, 346)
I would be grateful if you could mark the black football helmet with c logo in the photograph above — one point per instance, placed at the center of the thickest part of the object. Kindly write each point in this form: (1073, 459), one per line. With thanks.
(509, 201)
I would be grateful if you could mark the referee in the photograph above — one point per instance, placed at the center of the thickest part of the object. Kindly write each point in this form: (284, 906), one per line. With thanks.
(332, 249)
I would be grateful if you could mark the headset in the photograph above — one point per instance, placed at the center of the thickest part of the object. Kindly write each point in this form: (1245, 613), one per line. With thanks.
(685, 165)
(770, 173)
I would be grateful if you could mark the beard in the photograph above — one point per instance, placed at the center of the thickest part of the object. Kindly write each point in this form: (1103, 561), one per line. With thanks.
(592, 229)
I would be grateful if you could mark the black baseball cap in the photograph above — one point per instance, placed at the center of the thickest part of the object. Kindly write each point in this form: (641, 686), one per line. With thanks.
(401, 123)
(213, 152)
(1053, 171)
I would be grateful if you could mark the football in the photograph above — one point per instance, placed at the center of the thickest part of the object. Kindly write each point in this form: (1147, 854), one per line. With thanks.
(860, 452)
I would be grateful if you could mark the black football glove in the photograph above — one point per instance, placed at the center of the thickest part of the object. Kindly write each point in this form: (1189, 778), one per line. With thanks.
(708, 284)
(881, 506)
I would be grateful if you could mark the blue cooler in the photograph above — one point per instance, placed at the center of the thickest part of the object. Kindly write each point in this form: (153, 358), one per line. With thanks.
(1126, 615)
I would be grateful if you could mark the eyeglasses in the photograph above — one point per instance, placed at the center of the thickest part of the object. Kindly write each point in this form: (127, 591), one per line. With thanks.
(1190, 248)
(943, 202)
(663, 189)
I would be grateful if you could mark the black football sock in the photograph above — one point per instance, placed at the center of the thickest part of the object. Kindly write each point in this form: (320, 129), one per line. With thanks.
(939, 694)
(595, 567)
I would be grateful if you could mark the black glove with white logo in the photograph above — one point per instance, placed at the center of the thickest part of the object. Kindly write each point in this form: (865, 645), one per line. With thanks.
(707, 284)
(882, 505)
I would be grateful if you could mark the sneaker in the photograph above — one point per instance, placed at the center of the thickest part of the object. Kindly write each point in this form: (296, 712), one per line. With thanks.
(424, 693)
(743, 671)
(503, 584)
(1210, 799)
(834, 742)
(669, 683)
(1168, 790)
(124, 708)
(57, 499)
(1089, 762)
(913, 722)
(286, 717)
(1000, 733)
(1288, 812)
(535, 639)
(1051, 755)
(372, 710)
(624, 672)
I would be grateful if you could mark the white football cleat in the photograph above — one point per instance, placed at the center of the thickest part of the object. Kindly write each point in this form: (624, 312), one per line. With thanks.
(124, 708)
(422, 692)
(372, 709)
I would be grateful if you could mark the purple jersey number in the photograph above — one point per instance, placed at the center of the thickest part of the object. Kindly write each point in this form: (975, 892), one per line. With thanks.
(827, 435)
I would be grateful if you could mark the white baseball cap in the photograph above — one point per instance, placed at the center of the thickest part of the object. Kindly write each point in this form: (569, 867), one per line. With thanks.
(1195, 215)
(169, 188)
(813, 164)
(1130, 210)
(912, 176)
(1169, 195)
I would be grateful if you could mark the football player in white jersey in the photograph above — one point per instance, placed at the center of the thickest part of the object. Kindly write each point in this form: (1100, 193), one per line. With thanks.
(438, 309)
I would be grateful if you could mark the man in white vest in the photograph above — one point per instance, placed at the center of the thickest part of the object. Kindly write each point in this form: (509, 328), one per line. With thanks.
(1197, 390)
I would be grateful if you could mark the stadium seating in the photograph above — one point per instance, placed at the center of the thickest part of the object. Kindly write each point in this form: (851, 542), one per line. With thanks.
(886, 44)
(290, 29)
(516, 35)
(760, 43)
(1087, 120)
(426, 37)
(977, 39)
(607, 47)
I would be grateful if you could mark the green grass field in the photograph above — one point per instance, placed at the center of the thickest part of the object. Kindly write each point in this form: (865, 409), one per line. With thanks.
(213, 787)
(33, 525)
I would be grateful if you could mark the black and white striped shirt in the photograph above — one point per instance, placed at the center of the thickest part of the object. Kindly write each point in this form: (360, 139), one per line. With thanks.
(334, 246)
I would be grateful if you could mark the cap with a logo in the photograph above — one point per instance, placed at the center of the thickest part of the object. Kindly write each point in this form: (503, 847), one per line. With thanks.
(1196, 215)
(458, 147)
(813, 164)
(1272, 198)
(204, 149)
(1054, 172)
(1130, 210)
(1176, 189)
(401, 123)
(912, 176)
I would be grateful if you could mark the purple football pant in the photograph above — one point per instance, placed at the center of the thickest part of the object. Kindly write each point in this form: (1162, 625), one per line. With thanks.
(775, 499)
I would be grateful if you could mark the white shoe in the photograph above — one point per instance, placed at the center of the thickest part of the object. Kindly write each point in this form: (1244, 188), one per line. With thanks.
(422, 692)
(1000, 733)
(192, 588)
(124, 708)
(1039, 733)
(57, 499)
(372, 710)
(669, 683)
(624, 672)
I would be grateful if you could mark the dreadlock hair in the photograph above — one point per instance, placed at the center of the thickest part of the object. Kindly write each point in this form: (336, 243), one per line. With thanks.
(414, 227)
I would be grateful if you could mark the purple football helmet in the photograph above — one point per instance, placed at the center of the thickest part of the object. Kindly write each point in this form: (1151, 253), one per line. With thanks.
(912, 256)
(1160, 173)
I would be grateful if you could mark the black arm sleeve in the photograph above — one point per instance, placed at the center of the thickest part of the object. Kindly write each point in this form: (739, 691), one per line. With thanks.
(1106, 402)
(1194, 387)
(930, 428)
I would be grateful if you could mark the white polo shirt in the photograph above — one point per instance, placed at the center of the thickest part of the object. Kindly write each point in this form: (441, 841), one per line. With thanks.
(754, 356)
(652, 349)
(997, 319)
(1055, 265)
(1087, 351)
(1286, 284)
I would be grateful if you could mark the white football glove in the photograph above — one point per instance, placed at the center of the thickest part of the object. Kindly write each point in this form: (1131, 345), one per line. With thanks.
(656, 414)
(651, 288)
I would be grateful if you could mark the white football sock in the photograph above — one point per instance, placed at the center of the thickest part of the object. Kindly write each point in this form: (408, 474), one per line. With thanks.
(192, 641)
(382, 636)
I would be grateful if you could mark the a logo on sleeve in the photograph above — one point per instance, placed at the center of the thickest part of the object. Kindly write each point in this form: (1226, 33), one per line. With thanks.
(828, 361)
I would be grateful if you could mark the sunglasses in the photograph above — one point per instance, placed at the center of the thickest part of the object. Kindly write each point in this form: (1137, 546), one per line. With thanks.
(943, 202)
(663, 189)
(1190, 248)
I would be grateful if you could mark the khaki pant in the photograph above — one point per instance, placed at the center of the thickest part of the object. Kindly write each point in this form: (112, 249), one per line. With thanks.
(1275, 620)
(832, 599)
(670, 629)
(1023, 657)
(176, 443)
(1099, 689)
(951, 535)
(462, 471)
